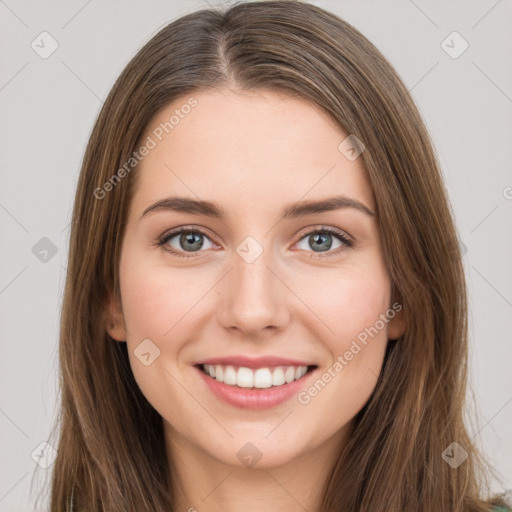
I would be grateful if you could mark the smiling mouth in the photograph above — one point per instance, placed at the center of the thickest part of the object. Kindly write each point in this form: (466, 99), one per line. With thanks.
(260, 378)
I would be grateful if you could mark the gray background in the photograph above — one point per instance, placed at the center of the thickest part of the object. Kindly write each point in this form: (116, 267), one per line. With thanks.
(48, 107)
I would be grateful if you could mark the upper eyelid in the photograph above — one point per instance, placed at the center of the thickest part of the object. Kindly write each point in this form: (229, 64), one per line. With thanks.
(332, 230)
(184, 229)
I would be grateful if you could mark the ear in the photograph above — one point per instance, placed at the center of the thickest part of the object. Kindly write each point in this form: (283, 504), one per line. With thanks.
(397, 324)
(114, 318)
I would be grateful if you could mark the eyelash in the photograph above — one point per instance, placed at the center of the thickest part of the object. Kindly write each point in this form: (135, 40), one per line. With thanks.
(181, 254)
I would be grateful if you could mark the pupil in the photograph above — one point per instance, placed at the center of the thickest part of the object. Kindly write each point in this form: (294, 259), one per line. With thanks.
(314, 238)
(189, 238)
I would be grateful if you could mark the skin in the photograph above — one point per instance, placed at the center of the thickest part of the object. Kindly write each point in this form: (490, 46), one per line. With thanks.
(253, 153)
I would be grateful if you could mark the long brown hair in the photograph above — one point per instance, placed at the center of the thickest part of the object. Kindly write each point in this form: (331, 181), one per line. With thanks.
(111, 451)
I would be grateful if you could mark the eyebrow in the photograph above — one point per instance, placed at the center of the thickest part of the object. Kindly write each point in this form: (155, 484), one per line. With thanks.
(300, 209)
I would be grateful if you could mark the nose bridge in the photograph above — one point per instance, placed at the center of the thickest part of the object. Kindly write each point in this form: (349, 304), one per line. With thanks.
(253, 297)
(252, 277)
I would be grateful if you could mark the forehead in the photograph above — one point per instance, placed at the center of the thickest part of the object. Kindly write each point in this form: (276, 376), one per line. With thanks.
(247, 149)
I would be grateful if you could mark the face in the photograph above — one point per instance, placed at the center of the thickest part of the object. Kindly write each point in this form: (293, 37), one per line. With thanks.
(250, 292)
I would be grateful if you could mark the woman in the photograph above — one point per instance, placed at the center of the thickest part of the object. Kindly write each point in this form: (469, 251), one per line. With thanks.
(212, 357)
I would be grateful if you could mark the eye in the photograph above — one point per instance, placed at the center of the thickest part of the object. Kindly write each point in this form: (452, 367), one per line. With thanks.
(183, 240)
(322, 239)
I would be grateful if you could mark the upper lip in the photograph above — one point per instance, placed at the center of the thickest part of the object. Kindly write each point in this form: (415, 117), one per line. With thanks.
(254, 362)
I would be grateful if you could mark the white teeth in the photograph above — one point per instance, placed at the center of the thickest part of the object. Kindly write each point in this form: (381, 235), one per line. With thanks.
(244, 377)
(261, 378)
(289, 374)
(229, 376)
(278, 377)
(219, 373)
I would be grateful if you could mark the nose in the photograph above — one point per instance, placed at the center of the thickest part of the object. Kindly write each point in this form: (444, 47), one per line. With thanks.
(253, 299)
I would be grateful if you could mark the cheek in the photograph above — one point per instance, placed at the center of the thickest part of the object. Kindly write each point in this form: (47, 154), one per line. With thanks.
(356, 341)
(346, 303)
(156, 306)
(154, 298)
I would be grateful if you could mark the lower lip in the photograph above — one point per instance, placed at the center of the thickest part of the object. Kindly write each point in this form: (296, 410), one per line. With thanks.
(254, 398)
